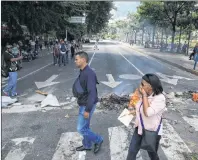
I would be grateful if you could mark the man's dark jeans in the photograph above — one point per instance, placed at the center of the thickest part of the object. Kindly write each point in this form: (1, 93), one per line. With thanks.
(135, 147)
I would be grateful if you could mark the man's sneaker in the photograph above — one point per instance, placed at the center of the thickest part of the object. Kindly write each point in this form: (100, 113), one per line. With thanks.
(5, 93)
(14, 95)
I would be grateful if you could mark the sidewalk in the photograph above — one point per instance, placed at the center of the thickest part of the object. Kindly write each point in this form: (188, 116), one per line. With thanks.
(174, 59)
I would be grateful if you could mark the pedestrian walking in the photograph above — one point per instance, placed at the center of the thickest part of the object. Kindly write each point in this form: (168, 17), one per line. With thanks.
(72, 50)
(11, 67)
(195, 55)
(56, 53)
(96, 44)
(148, 124)
(62, 56)
(84, 88)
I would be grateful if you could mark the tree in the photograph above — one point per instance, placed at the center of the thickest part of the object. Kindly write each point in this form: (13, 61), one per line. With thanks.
(98, 15)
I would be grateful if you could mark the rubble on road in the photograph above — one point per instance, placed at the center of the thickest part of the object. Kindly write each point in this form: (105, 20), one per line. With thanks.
(114, 102)
(175, 101)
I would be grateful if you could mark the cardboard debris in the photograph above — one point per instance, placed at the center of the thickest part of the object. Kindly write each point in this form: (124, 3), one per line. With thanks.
(7, 101)
(125, 117)
(67, 116)
(42, 93)
(50, 100)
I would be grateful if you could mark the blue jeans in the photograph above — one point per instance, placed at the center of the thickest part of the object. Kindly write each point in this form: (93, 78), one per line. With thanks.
(83, 128)
(12, 84)
(195, 65)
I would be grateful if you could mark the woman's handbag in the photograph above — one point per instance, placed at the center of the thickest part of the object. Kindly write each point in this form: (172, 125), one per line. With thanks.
(149, 138)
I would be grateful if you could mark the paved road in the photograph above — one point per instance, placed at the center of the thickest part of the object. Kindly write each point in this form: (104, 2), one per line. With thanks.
(31, 133)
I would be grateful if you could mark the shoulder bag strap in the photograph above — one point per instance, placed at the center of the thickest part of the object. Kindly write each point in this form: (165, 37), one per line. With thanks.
(142, 123)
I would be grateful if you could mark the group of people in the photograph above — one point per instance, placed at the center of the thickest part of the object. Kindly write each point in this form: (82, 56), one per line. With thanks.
(61, 51)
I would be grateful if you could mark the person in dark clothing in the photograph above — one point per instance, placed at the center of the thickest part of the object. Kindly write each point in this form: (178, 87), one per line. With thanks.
(193, 53)
(12, 67)
(72, 51)
(85, 90)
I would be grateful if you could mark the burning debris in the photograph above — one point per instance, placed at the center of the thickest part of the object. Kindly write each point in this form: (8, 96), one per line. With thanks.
(174, 99)
(114, 102)
(195, 97)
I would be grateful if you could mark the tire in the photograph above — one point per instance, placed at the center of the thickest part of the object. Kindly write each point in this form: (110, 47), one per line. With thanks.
(29, 58)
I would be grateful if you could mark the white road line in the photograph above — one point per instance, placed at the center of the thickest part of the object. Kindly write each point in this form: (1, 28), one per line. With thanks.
(172, 144)
(119, 143)
(143, 54)
(192, 121)
(31, 73)
(92, 58)
(18, 151)
(66, 148)
(131, 64)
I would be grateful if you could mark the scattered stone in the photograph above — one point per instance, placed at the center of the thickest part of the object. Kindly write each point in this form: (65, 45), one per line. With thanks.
(165, 145)
(191, 130)
(73, 99)
(170, 95)
(67, 116)
(178, 94)
(68, 98)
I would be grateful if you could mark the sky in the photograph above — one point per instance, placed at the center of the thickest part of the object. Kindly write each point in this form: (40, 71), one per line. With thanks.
(123, 8)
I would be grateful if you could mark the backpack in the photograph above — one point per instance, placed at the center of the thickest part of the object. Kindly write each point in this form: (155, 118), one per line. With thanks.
(13, 66)
(56, 51)
(63, 48)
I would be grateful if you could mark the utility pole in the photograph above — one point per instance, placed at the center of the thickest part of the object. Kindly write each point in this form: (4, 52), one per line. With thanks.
(66, 34)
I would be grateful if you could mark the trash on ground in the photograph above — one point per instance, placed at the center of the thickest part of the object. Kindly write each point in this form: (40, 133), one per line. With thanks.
(73, 99)
(41, 92)
(50, 100)
(114, 102)
(7, 101)
(67, 116)
(195, 97)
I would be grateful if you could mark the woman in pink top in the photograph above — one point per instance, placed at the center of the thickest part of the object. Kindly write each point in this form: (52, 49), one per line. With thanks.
(151, 105)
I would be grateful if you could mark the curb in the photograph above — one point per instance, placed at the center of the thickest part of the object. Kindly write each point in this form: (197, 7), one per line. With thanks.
(168, 62)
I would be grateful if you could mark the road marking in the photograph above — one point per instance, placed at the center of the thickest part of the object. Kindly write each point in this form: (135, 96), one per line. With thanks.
(130, 76)
(131, 64)
(119, 144)
(46, 83)
(143, 54)
(111, 82)
(19, 151)
(174, 80)
(31, 73)
(192, 121)
(172, 144)
(92, 58)
(66, 148)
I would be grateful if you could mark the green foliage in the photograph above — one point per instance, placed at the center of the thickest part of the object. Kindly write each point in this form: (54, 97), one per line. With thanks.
(44, 16)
